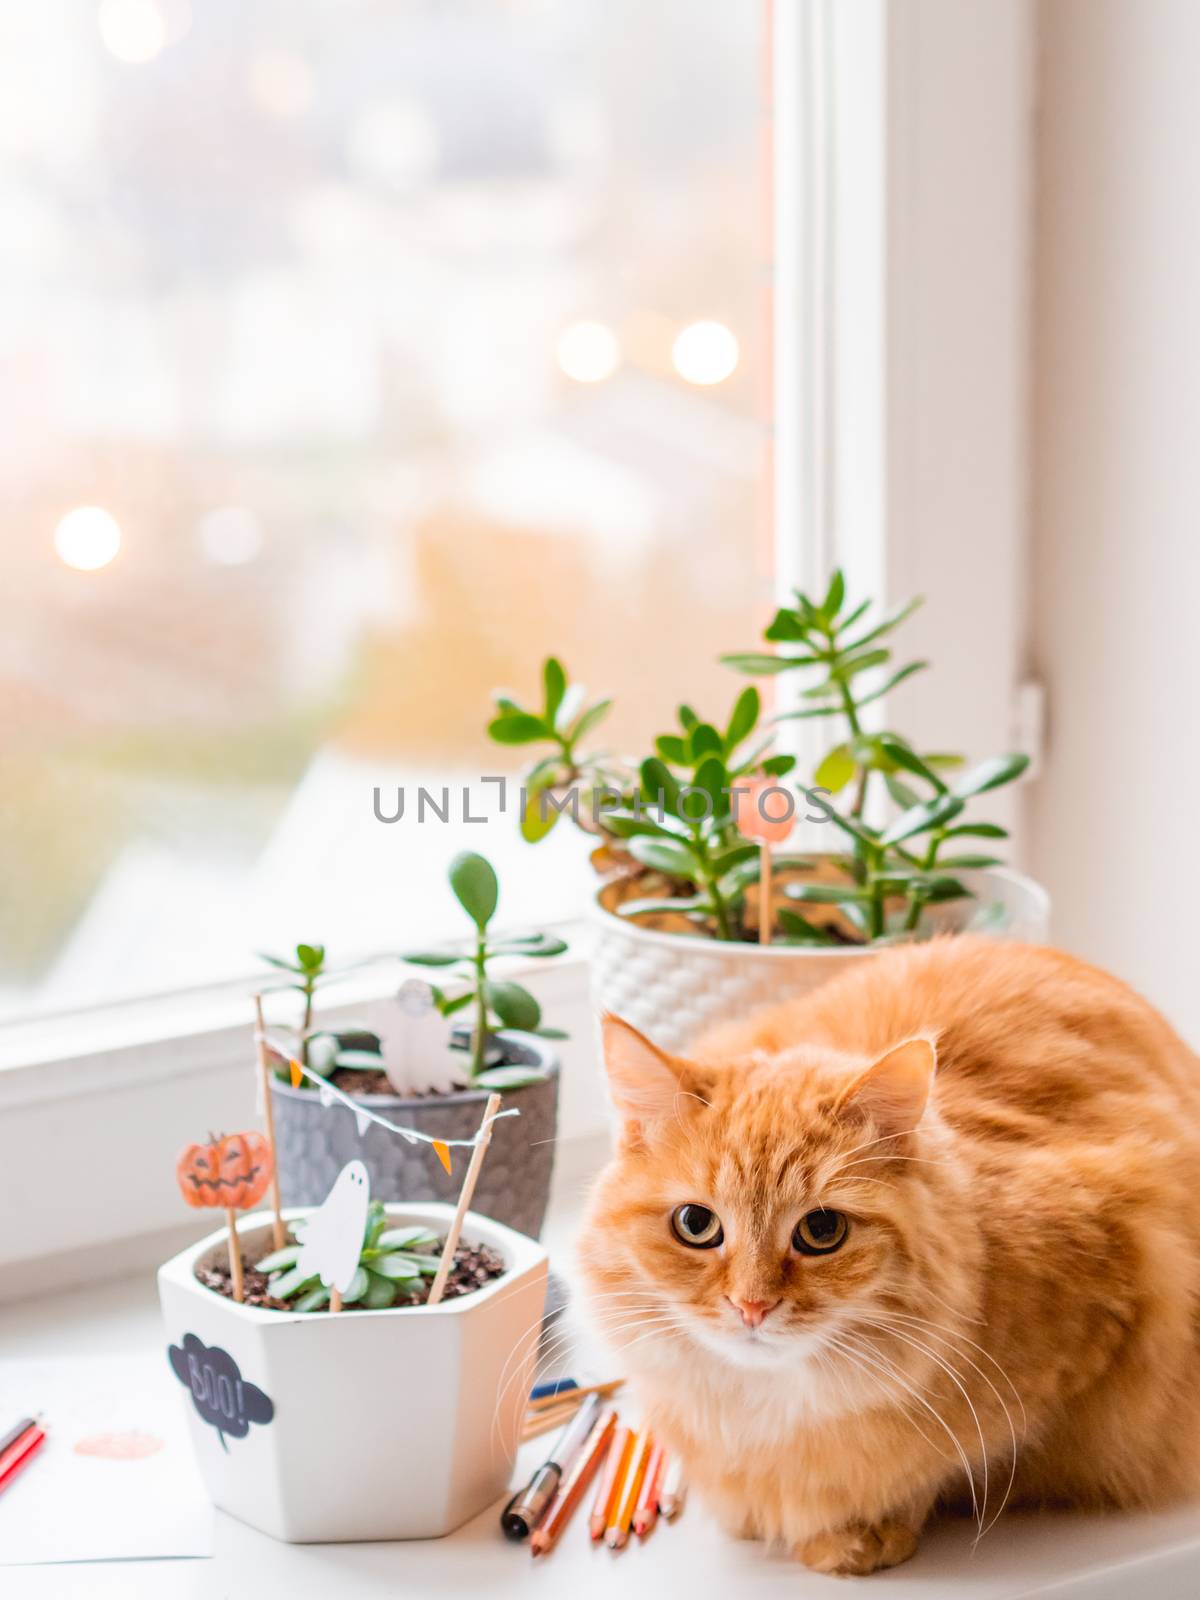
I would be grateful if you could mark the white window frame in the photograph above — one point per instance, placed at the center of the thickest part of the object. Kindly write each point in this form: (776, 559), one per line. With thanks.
(901, 199)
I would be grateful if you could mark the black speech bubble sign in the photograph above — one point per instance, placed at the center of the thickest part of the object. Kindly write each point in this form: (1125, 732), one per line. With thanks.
(220, 1394)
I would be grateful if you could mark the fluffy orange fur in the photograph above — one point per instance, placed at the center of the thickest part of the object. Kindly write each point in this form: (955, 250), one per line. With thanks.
(1013, 1313)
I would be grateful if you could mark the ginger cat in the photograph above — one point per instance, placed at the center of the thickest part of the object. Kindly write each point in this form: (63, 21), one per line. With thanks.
(930, 1235)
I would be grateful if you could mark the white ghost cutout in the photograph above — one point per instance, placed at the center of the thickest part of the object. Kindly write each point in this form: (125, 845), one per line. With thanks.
(331, 1238)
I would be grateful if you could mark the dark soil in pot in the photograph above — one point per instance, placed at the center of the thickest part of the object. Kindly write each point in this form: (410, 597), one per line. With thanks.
(314, 1142)
(475, 1266)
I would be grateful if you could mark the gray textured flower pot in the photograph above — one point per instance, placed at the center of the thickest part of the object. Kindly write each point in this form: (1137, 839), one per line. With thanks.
(313, 1143)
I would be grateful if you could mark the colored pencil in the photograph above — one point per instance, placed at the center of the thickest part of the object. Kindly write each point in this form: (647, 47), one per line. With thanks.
(645, 1513)
(574, 1485)
(571, 1396)
(610, 1481)
(674, 1489)
(18, 1455)
(552, 1389)
(616, 1535)
(15, 1432)
(539, 1422)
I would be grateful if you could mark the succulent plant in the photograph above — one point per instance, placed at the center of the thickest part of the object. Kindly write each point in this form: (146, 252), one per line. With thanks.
(319, 1048)
(495, 1002)
(671, 813)
(391, 1259)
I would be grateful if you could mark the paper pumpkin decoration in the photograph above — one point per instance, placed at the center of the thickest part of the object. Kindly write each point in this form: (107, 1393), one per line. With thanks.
(231, 1172)
(766, 811)
(331, 1238)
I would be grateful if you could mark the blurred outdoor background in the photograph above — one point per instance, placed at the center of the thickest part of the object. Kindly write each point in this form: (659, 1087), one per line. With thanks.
(354, 354)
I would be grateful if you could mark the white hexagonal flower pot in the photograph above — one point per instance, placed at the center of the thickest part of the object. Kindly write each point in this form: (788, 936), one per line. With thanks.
(394, 1424)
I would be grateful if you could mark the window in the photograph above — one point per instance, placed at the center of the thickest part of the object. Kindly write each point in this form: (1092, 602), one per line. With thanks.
(355, 356)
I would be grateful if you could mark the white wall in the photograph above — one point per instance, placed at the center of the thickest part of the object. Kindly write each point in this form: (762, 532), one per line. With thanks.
(1116, 486)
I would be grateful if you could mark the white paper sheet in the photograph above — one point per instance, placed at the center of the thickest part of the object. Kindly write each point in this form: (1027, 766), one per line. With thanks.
(115, 1479)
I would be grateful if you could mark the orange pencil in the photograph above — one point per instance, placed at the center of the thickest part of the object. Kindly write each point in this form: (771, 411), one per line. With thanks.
(645, 1513)
(616, 1535)
(571, 1490)
(610, 1482)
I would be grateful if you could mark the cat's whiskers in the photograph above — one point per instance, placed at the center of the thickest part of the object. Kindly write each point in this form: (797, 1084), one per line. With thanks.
(955, 1377)
(954, 1333)
(874, 1356)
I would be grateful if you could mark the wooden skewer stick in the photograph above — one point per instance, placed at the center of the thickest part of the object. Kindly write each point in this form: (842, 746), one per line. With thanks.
(235, 1257)
(765, 910)
(335, 1298)
(264, 1079)
(546, 1423)
(464, 1201)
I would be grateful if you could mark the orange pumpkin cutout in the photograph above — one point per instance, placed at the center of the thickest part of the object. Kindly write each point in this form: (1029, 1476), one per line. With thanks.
(232, 1172)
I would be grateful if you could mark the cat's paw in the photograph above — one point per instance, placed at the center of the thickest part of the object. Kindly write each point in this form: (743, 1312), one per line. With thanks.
(858, 1548)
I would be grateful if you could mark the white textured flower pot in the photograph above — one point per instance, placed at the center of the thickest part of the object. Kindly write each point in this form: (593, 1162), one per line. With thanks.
(673, 987)
(394, 1424)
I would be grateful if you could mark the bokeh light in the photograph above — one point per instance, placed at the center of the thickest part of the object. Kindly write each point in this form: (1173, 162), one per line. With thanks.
(589, 352)
(705, 352)
(230, 536)
(281, 83)
(87, 538)
(134, 31)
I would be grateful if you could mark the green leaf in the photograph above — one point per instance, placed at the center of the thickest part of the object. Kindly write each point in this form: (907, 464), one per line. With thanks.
(554, 686)
(900, 792)
(704, 740)
(973, 862)
(851, 666)
(943, 760)
(399, 1268)
(899, 752)
(314, 1300)
(514, 1077)
(518, 727)
(742, 719)
(310, 956)
(357, 1287)
(671, 748)
(430, 958)
(408, 1238)
(589, 719)
(992, 774)
(664, 855)
(757, 664)
(734, 857)
(450, 1008)
(800, 930)
(831, 710)
(537, 819)
(543, 1032)
(938, 889)
(837, 769)
(886, 625)
(376, 1223)
(786, 627)
(630, 825)
(359, 1060)
(278, 961)
(824, 894)
(834, 595)
(712, 778)
(380, 1293)
(475, 887)
(856, 830)
(895, 679)
(514, 1005)
(919, 818)
(533, 944)
(290, 1283)
(698, 906)
(278, 1259)
(658, 781)
(686, 717)
(779, 766)
(977, 830)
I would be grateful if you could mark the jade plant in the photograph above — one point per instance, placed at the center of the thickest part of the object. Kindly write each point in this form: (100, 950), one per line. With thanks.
(392, 1261)
(671, 818)
(492, 1002)
(320, 1048)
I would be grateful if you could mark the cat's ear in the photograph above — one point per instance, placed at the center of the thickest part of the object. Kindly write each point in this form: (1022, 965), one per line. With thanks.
(894, 1092)
(645, 1083)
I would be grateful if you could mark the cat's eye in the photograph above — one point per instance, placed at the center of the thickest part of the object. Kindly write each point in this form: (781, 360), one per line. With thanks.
(697, 1226)
(820, 1232)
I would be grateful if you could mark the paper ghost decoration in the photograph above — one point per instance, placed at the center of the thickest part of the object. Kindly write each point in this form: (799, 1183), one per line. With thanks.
(331, 1238)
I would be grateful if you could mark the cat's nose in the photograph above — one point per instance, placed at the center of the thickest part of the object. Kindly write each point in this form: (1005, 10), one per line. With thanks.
(753, 1311)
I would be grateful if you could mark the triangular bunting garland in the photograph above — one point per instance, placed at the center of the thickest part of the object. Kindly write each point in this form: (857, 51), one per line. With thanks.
(443, 1153)
(297, 1074)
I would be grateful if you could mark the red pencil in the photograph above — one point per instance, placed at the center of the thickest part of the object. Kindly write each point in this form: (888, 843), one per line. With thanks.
(18, 1455)
(645, 1513)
